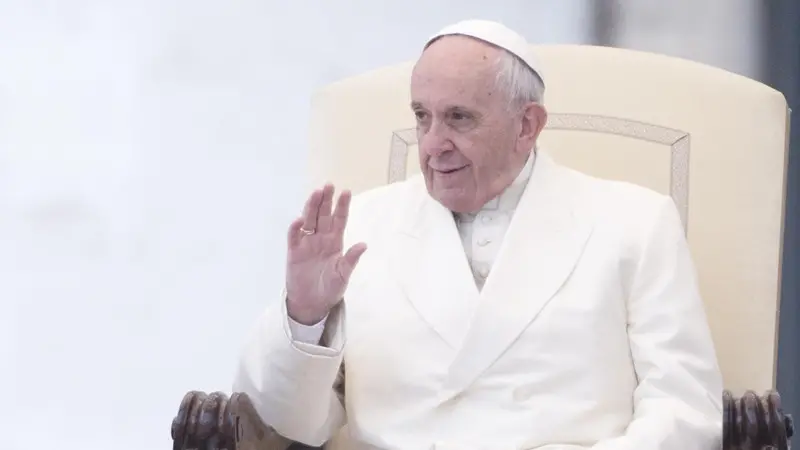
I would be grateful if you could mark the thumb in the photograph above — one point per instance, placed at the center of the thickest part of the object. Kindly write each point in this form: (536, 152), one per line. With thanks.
(348, 262)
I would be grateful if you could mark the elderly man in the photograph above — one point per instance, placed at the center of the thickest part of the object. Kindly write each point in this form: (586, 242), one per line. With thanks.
(496, 301)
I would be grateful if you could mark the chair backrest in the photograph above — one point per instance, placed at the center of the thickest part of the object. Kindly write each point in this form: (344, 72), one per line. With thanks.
(715, 141)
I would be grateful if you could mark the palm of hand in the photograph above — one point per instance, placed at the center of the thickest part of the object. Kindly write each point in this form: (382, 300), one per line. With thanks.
(316, 271)
(312, 267)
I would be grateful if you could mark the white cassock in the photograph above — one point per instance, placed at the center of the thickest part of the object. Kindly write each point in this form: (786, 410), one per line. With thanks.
(573, 320)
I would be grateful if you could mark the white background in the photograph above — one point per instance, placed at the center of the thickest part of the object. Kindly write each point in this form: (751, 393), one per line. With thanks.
(151, 156)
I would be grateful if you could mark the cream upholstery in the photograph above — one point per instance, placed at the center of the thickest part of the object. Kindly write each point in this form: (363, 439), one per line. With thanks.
(714, 140)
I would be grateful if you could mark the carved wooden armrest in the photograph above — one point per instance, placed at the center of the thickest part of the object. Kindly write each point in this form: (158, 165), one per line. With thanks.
(215, 422)
(754, 423)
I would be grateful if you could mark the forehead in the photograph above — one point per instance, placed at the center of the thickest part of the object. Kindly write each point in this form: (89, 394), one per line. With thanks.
(456, 71)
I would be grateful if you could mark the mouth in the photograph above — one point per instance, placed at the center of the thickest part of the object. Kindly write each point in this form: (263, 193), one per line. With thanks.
(449, 171)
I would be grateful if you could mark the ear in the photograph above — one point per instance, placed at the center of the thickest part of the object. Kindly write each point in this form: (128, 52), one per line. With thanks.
(534, 118)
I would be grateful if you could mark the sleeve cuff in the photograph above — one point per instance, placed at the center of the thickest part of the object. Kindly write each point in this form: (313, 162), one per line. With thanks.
(307, 334)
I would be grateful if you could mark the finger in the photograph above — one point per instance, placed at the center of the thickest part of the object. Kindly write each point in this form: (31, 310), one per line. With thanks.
(348, 262)
(311, 210)
(326, 204)
(342, 211)
(294, 232)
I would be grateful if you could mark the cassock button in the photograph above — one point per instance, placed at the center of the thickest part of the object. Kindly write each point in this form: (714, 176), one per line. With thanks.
(486, 219)
(484, 242)
(483, 272)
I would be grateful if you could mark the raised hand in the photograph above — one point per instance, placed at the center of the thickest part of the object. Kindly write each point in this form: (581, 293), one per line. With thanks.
(317, 272)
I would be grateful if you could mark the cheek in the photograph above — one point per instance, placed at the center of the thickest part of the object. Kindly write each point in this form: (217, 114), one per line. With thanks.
(491, 150)
(486, 163)
(472, 151)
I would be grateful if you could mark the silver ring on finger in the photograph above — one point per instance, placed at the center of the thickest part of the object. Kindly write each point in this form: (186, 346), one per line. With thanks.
(307, 232)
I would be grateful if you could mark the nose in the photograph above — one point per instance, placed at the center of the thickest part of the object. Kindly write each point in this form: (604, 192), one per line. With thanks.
(434, 140)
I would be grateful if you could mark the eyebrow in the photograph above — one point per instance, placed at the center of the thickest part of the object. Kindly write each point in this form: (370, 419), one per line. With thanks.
(416, 104)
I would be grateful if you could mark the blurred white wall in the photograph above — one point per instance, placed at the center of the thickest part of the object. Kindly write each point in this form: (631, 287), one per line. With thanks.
(151, 156)
(723, 33)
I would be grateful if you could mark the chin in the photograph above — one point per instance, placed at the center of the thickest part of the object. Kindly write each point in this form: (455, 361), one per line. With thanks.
(456, 203)
(454, 198)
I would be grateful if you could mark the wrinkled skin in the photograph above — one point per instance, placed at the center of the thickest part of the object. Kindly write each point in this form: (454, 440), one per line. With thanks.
(471, 143)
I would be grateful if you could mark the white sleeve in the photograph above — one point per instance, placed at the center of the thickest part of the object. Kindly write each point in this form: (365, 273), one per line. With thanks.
(678, 402)
(291, 383)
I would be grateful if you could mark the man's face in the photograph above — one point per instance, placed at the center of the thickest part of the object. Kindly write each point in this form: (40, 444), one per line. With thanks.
(471, 144)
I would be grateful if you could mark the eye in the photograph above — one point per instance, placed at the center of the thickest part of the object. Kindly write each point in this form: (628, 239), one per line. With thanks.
(460, 116)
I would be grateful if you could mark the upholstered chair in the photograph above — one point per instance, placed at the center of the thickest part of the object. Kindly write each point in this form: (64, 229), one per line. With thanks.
(713, 140)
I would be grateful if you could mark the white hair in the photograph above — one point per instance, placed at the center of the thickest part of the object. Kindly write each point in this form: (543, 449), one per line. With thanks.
(518, 81)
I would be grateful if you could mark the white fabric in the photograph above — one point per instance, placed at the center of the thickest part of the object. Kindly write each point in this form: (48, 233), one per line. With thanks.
(307, 334)
(589, 331)
(496, 34)
(481, 233)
